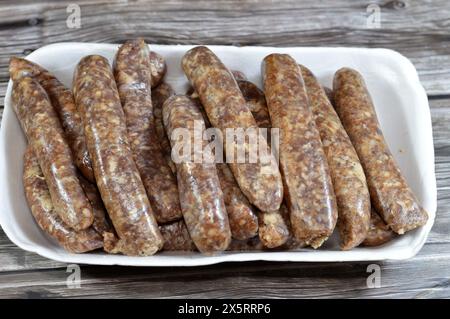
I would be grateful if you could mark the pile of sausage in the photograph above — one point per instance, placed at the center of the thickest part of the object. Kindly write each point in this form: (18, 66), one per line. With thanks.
(98, 171)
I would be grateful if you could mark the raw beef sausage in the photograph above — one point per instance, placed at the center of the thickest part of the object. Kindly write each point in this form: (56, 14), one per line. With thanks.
(308, 189)
(347, 175)
(63, 103)
(176, 237)
(241, 214)
(158, 68)
(226, 108)
(132, 74)
(379, 233)
(198, 184)
(45, 135)
(390, 194)
(116, 173)
(159, 95)
(273, 229)
(41, 206)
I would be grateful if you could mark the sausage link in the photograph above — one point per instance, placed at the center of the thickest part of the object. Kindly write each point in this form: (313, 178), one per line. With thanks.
(308, 190)
(158, 68)
(100, 223)
(226, 108)
(132, 73)
(256, 102)
(273, 231)
(241, 214)
(379, 233)
(176, 237)
(251, 244)
(63, 103)
(159, 95)
(198, 184)
(43, 130)
(389, 191)
(116, 173)
(41, 206)
(273, 228)
(330, 94)
(347, 175)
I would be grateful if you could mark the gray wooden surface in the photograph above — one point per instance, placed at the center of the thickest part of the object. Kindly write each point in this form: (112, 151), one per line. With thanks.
(418, 29)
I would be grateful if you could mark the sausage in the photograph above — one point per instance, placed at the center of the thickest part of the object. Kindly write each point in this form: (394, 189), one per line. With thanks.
(45, 135)
(158, 68)
(132, 74)
(226, 108)
(159, 95)
(379, 233)
(347, 175)
(308, 189)
(273, 227)
(176, 237)
(63, 103)
(390, 194)
(241, 215)
(251, 244)
(101, 223)
(273, 231)
(238, 75)
(330, 94)
(256, 102)
(38, 197)
(198, 184)
(116, 173)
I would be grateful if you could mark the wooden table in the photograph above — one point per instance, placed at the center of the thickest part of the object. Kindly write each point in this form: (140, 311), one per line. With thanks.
(418, 29)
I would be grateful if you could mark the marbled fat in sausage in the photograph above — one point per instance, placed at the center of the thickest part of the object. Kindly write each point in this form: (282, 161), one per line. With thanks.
(308, 189)
(391, 196)
(117, 176)
(46, 136)
(347, 175)
(199, 189)
(226, 108)
(42, 209)
(132, 74)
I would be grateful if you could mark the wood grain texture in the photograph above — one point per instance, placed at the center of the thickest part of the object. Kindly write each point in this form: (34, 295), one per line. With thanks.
(418, 29)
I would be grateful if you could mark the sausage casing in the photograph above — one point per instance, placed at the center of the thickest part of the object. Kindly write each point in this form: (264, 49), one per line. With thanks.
(389, 192)
(308, 189)
(41, 206)
(63, 103)
(226, 108)
(132, 73)
(347, 175)
(199, 189)
(45, 135)
(117, 176)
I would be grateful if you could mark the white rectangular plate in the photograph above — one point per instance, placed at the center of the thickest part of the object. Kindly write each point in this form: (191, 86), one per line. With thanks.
(401, 104)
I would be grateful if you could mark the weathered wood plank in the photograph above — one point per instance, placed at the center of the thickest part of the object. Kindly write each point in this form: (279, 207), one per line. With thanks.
(404, 26)
(243, 280)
